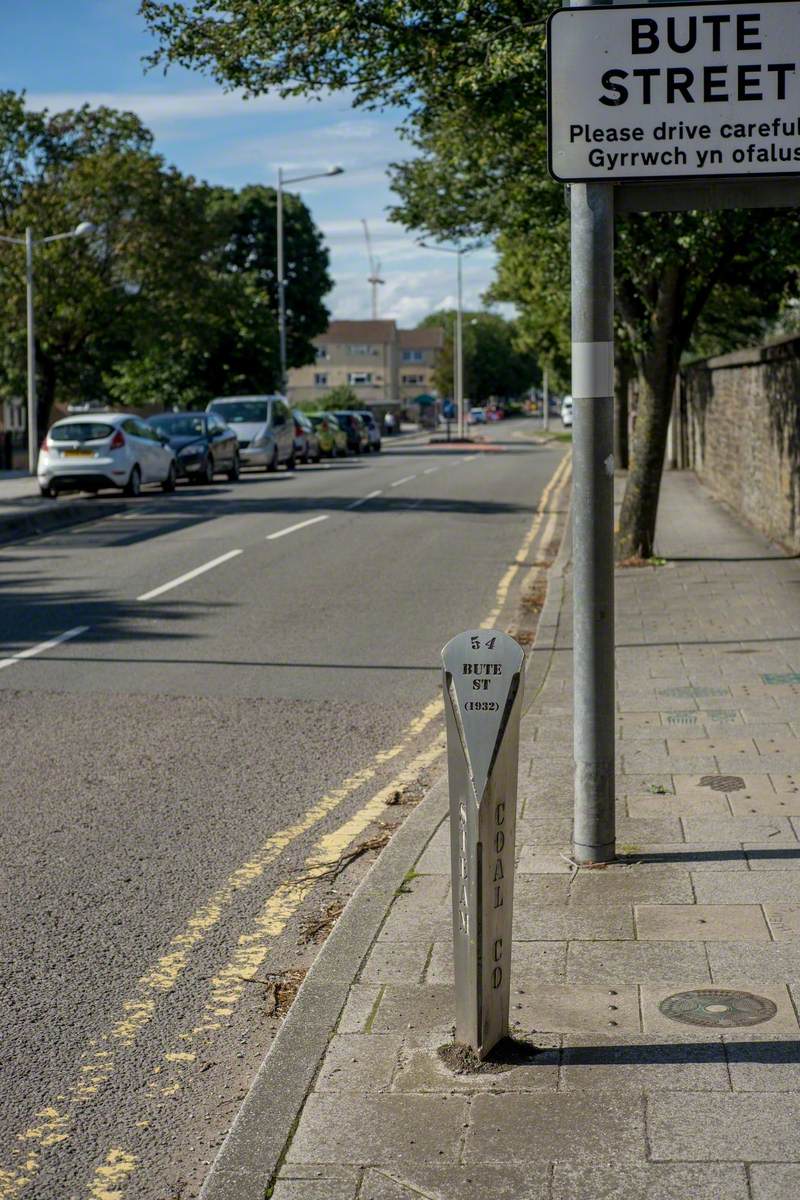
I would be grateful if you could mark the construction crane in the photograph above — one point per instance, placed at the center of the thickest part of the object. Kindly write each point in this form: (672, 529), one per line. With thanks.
(374, 279)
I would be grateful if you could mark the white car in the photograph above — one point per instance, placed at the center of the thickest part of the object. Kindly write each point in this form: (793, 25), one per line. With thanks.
(264, 427)
(566, 412)
(85, 453)
(476, 416)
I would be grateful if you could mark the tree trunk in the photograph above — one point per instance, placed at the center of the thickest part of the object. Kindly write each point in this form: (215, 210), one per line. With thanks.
(623, 371)
(637, 520)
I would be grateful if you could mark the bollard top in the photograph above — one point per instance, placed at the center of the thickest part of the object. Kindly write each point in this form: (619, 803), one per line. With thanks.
(482, 678)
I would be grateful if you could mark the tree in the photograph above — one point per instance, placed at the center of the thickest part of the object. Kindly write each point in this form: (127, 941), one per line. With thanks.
(493, 365)
(475, 88)
(173, 300)
(250, 217)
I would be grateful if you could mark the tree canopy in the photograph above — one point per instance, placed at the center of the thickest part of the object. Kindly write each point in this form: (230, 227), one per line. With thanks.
(172, 299)
(494, 366)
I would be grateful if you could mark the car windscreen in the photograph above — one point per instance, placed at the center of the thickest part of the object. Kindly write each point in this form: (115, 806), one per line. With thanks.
(81, 431)
(179, 425)
(238, 412)
(344, 421)
(316, 419)
(366, 417)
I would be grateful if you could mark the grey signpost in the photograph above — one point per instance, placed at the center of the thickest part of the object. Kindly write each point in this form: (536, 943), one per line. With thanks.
(483, 682)
(651, 108)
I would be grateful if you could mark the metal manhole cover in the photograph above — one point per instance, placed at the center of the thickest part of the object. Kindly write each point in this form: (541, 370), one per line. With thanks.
(717, 1007)
(723, 783)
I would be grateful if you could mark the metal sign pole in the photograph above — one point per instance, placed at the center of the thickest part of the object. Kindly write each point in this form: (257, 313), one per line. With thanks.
(483, 674)
(592, 225)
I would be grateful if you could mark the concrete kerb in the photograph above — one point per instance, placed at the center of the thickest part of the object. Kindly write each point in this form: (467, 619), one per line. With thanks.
(256, 1143)
(59, 516)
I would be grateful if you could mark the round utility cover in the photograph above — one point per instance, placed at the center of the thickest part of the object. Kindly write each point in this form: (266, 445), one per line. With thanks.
(717, 1007)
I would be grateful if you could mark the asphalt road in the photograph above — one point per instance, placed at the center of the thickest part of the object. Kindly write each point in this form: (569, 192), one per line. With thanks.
(170, 768)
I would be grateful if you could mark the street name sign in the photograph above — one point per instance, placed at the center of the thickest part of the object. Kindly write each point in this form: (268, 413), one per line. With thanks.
(674, 91)
(483, 677)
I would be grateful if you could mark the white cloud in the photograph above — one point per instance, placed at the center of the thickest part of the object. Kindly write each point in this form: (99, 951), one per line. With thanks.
(175, 106)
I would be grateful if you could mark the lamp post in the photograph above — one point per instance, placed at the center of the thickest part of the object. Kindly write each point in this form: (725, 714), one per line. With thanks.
(281, 267)
(80, 230)
(458, 364)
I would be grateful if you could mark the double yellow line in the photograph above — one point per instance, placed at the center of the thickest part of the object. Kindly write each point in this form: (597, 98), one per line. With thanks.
(169, 1076)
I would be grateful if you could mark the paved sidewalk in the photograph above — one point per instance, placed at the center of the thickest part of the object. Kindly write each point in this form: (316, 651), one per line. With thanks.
(621, 1101)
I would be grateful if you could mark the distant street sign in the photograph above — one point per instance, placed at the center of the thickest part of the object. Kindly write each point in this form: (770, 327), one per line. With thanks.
(674, 91)
(483, 676)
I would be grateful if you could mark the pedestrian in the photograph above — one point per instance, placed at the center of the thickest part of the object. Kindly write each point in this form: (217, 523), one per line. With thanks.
(389, 424)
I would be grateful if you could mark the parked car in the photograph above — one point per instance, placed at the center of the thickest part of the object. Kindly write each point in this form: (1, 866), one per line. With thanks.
(104, 450)
(202, 442)
(306, 442)
(332, 439)
(566, 412)
(373, 429)
(477, 416)
(354, 430)
(263, 426)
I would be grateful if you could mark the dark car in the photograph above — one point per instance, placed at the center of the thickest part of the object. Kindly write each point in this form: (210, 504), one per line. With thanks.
(202, 442)
(306, 442)
(354, 430)
(373, 431)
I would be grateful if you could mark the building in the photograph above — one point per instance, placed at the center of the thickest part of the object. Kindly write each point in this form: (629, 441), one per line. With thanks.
(385, 366)
(419, 352)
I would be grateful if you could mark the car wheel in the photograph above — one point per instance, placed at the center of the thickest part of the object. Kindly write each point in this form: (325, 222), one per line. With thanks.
(378, 445)
(272, 465)
(207, 474)
(134, 485)
(291, 462)
(49, 491)
(235, 470)
(172, 478)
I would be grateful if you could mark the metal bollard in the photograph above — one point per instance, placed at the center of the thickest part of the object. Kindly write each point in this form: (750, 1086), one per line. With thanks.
(483, 682)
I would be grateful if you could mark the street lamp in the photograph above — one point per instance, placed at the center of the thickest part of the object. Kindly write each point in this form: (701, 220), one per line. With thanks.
(458, 365)
(281, 270)
(81, 230)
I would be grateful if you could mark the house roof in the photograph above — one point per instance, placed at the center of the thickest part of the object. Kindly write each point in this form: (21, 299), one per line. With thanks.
(427, 337)
(358, 332)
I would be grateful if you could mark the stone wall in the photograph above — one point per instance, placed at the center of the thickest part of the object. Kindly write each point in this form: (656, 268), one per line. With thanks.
(737, 423)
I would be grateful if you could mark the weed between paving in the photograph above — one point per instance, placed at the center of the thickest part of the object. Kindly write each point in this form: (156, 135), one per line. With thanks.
(510, 1053)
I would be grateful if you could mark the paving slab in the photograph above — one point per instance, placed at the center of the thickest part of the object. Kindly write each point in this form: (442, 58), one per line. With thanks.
(628, 963)
(691, 857)
(739, 829)
(542, 1128)
(711, 804)
(412, 1182)
(774, 1181)
(414, 1006)
(701, 922)
(379, 1129)
(396, 962)
(755, 962)
(575, 1008)
(755, 887)
(357, 1062)
(784, 921)
(782, 1024)
(642, 1063)
(710, 1127)
(765, 1066)
(653, 1181)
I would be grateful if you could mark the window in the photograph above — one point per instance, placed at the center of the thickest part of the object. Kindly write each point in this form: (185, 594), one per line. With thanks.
(357, 377)
(322, 353)
(362, 350)
(413, 379)
(412, 356)
(278, 414)
(80, 431)
(321, 379)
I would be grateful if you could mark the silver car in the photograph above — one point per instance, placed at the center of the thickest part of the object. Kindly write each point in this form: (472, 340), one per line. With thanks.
(96, 450)
(264, 427)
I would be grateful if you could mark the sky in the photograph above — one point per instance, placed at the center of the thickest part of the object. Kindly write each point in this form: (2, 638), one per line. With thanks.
(64, 53)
